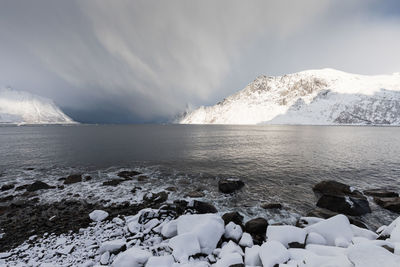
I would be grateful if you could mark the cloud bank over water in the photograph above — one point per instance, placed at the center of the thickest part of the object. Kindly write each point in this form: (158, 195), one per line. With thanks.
(143, 61)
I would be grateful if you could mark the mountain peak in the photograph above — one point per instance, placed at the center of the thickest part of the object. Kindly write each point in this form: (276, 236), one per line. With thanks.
(328, 96)
(20, 107)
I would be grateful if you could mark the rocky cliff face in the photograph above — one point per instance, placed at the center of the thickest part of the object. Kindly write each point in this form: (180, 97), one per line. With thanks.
(318, 97)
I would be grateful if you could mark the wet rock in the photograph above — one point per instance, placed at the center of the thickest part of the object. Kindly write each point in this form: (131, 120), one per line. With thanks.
(7, 187)
(142, 178)
(204, 207)
(128, 174)
(195, 194)
(22, 187)
(330, 187)
(271, 206)
(389, 203)
(234, 216)
(171, 189)
(38, 185)
(136, 188)
(257, 228)
(159, 197)
(113, 182)
(344, 204)
(61, 187)
(380, 193)
(6, 199)
(29, 169)
(88, 178)
(228, 186)
(73, 178)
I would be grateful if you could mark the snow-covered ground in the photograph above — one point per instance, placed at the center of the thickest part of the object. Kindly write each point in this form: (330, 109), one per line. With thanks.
(19, 107)
(154, 237)
(314, 97)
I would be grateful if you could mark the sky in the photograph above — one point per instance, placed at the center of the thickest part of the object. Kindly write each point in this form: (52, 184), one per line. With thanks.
(129, 61)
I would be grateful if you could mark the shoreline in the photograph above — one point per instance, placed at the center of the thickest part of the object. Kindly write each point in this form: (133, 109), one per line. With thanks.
(27, 223)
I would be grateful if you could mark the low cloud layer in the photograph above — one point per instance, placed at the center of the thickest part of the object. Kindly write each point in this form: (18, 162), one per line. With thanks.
(144, 61)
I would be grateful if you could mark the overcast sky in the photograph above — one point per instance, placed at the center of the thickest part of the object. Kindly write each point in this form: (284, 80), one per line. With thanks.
(144, 61)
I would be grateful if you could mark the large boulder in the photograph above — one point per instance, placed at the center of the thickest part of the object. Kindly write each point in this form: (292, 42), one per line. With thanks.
(390, 203)
(380, 193)
(325, 214)
(73, 178)
(38, 185)
(228, 186)
(330, 187)
(257, 228)
(344, 204)
(203, 207)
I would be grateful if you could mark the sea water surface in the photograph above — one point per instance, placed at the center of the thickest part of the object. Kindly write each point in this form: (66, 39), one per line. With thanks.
(277, 163)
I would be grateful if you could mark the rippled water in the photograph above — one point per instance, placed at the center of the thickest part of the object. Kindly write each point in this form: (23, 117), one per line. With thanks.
(277, 163)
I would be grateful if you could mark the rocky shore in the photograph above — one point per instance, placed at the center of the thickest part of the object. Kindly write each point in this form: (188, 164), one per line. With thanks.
(161, 232)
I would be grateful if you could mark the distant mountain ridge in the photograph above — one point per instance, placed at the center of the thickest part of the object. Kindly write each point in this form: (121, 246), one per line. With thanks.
(312, 97)
(19, 107)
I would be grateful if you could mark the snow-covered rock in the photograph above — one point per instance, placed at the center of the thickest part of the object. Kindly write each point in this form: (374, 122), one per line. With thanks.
(184, 245)
(334, 229)
(112, 246)
(165, 261)
(98, 215)
(246, 240)
(133, 257)
(317, 97)
(233, 231)
(366, 255)
(18, 107)
(286, 234)
(252, 256)
(272, 252)
(208, 228)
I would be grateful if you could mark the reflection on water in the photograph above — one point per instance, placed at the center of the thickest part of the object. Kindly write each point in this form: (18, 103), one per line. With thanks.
(277, 163)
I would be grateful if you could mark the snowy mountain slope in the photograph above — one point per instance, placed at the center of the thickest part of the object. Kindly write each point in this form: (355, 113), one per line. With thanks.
(317, 97)
(18, 107)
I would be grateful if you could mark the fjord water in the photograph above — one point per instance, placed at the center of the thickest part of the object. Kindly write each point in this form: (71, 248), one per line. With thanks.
(277, 163)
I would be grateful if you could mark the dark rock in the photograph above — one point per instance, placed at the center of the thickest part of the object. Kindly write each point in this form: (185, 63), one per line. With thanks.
(88, 178)
(142, 178)
(159, 197)
(128, 174)
(38, 185)
(195, 194)
(171, 189)
(73, 178)
(330, 187)
(6, 199)
(390, 203)
(234, 216)
(61, 187)
(257, 228)
(113, 182)
(22, 187)
(228, 186)
(296, 245)
(29, 169)
(237, 265)
(271, 206)
(344, 204)
(61, 179)
(6, 187)
(204, 207)
(388, 248)
(380, 193)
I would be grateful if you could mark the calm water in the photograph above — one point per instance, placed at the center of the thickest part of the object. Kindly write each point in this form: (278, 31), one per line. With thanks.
(277, 163)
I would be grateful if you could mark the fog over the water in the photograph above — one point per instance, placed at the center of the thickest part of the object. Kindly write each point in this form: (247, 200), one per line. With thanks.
(144, 61)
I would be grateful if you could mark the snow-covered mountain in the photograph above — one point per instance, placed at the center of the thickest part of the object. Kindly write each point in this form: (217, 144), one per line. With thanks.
(18, 107)
(316, 97)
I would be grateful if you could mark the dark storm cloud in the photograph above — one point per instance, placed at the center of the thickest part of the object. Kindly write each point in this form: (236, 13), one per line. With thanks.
(133, 61)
